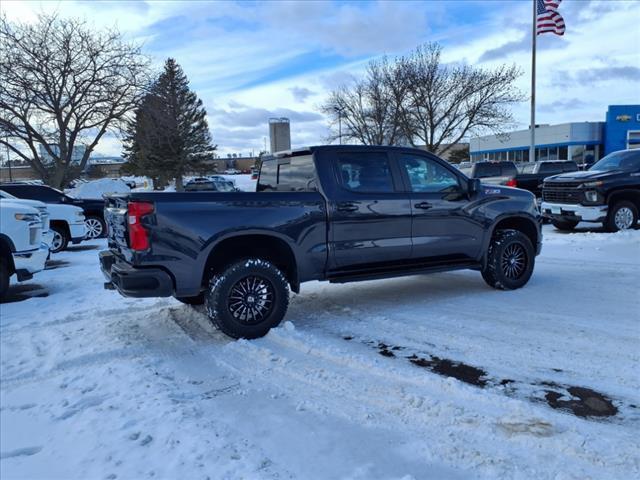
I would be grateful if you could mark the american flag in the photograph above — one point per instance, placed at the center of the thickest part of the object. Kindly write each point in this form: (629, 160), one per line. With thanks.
(547, 17)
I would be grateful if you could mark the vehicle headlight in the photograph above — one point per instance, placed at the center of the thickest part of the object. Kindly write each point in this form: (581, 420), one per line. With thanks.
(592, 184)
(591, 196)
(28, 217)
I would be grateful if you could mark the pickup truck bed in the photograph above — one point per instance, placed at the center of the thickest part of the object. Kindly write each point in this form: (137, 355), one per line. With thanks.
(325, 213)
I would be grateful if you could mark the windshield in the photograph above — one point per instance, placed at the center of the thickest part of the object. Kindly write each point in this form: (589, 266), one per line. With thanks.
(4, 194)
(621, 160)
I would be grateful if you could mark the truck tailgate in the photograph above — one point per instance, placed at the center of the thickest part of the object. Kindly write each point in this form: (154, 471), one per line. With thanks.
(115, 216)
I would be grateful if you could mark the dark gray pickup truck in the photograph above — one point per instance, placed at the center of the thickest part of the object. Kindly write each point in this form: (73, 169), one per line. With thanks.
(336, 213)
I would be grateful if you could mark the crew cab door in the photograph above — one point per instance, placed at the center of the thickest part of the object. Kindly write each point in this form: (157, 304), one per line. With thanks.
(370, 215)
(441, 226)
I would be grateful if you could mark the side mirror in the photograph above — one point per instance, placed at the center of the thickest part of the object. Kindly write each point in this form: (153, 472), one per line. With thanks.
(474, 185)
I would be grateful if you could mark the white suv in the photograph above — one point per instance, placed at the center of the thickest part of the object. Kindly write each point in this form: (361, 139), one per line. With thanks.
(22, 251)
(68, 221)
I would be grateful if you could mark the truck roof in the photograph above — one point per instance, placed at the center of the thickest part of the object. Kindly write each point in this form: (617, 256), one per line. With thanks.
(313, 148)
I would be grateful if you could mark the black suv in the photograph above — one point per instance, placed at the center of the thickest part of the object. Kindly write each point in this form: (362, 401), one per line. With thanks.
(93, 208)
(607, 193)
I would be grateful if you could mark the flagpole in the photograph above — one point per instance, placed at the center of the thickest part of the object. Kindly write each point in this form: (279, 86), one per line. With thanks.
(532, 144)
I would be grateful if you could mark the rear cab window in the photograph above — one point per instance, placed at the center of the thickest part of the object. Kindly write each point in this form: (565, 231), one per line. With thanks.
(368, 172)
(295, 173)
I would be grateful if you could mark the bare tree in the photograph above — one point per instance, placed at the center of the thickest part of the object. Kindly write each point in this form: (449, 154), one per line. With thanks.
(64, 85)
(420, 101)
(368, 109)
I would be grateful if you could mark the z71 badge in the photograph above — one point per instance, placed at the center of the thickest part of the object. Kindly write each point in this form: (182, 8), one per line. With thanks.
(491, 191)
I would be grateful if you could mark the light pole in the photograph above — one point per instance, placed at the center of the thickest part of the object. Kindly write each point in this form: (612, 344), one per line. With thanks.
(339, 111)
(6, 146)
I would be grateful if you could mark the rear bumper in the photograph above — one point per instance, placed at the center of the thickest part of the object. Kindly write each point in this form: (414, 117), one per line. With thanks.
(28, 263)
(134, 282)
(580, 213)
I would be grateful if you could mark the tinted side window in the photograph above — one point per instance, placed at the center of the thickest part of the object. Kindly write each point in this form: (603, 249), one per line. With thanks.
(297, 174)
(549, 168)
(569, 167)
(365, 172)
(268, 176)
(509, 170)
(482, 170)
(426, 175)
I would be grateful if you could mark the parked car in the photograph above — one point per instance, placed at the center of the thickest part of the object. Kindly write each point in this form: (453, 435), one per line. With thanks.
(232, 171)
(493, 173)
(254, 173)
(47, 233)
(22, 251)
(93, 208)
(607, 193)
(63, 222)
(336, 213)
(210, 186)
(531, 175)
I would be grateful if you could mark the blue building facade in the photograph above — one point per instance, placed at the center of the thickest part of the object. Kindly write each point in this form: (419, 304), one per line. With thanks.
(622, 128)
(582, 142)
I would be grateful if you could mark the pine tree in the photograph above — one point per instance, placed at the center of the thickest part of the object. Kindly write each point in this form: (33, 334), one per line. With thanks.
(169, 136)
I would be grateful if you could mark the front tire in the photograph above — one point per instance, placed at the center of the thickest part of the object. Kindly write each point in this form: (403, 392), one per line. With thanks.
(248, 298)
(60, 239)
(564, 225)
(95, 227)
(510, 260)
(622, 216)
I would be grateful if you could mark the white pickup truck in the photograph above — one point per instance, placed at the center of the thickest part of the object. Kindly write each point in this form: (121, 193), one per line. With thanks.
(22, 251)
(68, 220)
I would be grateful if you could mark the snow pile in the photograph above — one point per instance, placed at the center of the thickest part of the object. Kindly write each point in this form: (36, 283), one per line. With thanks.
(98, 188)
(360, 381)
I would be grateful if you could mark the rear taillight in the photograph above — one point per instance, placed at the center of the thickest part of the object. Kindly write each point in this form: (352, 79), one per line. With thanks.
(138, 235)
(512, 183)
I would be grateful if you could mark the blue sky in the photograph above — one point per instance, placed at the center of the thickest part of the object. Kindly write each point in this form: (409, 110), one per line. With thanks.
(252, 60)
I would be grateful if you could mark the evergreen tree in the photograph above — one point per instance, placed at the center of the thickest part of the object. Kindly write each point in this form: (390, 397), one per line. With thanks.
(169, 135)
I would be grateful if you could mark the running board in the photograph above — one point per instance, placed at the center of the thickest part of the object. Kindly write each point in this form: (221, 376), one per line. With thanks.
(376, 274)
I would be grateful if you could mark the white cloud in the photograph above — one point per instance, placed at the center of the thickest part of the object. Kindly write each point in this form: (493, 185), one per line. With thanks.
(249, 59)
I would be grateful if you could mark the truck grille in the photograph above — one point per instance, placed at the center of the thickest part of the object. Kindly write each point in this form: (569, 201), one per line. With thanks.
(561, 193)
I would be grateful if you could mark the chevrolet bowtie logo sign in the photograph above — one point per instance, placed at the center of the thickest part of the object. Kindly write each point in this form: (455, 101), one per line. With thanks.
(623, 118)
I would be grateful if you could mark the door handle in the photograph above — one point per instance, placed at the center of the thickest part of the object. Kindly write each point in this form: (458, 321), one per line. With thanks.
(423, 205)
(347, 207)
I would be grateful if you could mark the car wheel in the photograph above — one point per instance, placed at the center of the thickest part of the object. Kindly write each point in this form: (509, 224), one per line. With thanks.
(564, 225)
(4, 278)
(623, 216)
(95, 227)
(510, 260)
(197, 300)
(248, 298)
(60, 239)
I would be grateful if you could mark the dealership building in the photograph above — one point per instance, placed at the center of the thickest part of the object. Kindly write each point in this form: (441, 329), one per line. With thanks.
(583, 142)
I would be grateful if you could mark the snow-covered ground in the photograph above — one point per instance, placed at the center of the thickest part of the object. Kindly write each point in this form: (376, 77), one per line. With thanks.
(355, 384)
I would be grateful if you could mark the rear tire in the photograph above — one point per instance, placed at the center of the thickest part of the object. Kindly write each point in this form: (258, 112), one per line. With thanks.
(622, 216)
(564, 225)
(510, 260)
(248, 298)
(60, 239)
(4, 278)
